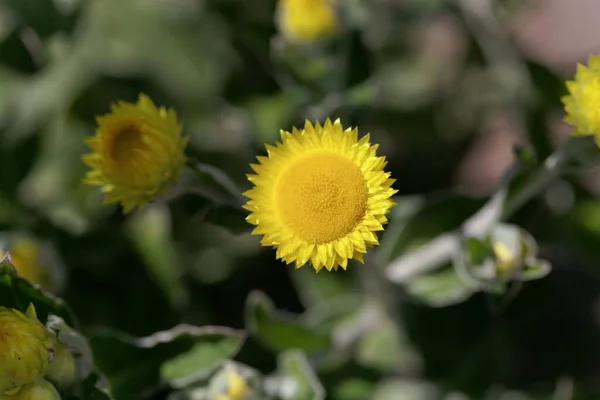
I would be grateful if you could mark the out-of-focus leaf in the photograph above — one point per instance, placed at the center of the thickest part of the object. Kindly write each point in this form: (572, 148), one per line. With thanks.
(534, 271)
(316, 289)
(354, 389)
(93, 388)
(271, 114)
(439, 288)
(53, 187)
(133, 365)
(202, 359)
(387, 349)
(299, 381)
(76, 343)
(405, 390)
(279, 331)
(16, 292)
(150, 231)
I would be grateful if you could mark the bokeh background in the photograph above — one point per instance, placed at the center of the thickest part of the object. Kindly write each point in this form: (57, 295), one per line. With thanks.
(447, 88)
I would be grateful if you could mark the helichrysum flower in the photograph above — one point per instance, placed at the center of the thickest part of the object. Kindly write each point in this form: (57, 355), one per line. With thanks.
(137, 151)
(25, 348)
(26, 258)
(237, 389)
(320, 196)
(307, 20)
(39, 390)
(582, 105)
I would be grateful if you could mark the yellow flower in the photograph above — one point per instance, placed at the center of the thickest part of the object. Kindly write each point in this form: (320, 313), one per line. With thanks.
(307, 20)
(26, 258)
(320, 196)
(582, 105)
(237, 389)
(137, 152)
(25, 348)
(40, 390)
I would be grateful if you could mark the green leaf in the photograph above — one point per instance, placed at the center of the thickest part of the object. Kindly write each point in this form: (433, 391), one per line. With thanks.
(280, 331)
(150, 231)
(16, 292)
(440, 288)
(293, 365)
(202, 359)
(133, 365)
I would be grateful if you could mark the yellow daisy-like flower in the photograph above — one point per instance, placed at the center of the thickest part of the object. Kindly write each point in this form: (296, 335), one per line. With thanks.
(307, 20)
(320, 196)
(26, 258)
(25, 349)
(582, 105)
(137, 151)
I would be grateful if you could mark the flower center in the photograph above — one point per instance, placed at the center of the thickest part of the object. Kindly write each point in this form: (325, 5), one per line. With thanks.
(321, 197)
(125, 144)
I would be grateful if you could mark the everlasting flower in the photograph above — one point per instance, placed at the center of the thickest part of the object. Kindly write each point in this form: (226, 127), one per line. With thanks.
(25, 348)
(582, 105)
(40, 390)
(307, 20)
(26, 258)
(320, 196)
(237, 389)
(137, 152)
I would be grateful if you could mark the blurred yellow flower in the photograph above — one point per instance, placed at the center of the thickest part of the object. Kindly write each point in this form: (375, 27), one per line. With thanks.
(237, 389)
(25, 348)
(307, 20)
(320, 196)
(582, 105)
(137, 151)
(26, 258)
(40, 390)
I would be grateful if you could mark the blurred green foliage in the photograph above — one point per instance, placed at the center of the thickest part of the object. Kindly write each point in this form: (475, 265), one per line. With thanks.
(170, 297)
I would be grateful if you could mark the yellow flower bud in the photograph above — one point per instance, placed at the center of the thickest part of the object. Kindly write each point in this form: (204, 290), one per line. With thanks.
(40, 390)
(26, 258)
(62, 369)
(25, 348)
(307, 20)
(237, 389)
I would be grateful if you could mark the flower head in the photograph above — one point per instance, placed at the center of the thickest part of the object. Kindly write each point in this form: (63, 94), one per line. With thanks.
(582, 104)
(137, 152)
(27, 260)
(39, 390)
(25, 348)
(320, 196)
(307, 20)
